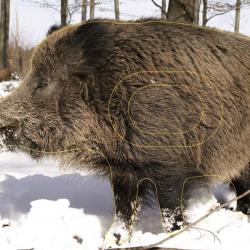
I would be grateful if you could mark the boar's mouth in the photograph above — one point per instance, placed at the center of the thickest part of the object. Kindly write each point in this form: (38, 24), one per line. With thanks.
(7, 137)
(7, 133)
(10, 140)
(29, 146)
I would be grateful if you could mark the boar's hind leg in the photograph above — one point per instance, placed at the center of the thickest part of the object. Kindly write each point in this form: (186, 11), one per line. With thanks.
(127, 204)
(170, 195)
(242, 184)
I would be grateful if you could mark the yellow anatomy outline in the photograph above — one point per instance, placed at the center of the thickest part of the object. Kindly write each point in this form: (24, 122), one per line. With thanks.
(166, 146)
(166, 133)
(202, 176)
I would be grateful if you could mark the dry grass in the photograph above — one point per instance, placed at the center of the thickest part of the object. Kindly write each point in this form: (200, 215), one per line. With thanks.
(19, 59)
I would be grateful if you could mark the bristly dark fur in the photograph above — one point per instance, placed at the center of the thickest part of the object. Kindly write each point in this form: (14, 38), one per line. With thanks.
(188, 116)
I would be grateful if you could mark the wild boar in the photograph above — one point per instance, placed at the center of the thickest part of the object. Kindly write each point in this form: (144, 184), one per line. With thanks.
(151, 105)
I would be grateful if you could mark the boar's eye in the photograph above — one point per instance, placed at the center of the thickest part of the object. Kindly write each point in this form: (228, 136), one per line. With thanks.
(41, 84)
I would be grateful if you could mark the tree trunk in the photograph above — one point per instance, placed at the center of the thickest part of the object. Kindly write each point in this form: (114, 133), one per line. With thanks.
(117, 11)
(196, 11)
(18, 50)
(163, 9)
(204, 13)
(4, 32)
(176, 11)
(237, 16)
(64, 5)
(184, 11)
(92, 9)
(19, 60)
(84, 10)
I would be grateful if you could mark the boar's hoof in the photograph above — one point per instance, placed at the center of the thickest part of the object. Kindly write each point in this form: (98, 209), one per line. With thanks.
(117, 235)
(244, 207)
(172, 219)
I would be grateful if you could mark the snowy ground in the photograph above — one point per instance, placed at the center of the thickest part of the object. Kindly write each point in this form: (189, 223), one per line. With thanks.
(43, 208)
(7, 87)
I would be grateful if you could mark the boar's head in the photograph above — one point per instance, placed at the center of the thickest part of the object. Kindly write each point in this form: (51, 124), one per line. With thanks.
(48, 111)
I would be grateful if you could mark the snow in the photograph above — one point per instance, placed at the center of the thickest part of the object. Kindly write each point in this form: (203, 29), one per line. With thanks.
(8, 86)
(43, 207)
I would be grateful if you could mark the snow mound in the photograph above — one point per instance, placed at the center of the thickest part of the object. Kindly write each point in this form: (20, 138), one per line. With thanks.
(52, 225)
(55, 225)
(7, 87)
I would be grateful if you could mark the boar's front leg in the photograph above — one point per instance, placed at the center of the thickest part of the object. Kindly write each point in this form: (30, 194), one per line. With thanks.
(168, 194)
(242, 184)
(127, 204)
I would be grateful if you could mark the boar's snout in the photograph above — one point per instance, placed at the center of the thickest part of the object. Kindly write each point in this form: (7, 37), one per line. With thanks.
(8, 119)
(8, 123)
(8, 126)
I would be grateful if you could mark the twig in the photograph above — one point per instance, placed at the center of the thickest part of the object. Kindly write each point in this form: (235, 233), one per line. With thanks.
(214, 235)
(154, 246)
(157, 5)
(201, 219)
(26, 249)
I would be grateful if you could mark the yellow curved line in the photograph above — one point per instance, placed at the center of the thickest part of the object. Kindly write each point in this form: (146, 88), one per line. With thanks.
(165, 146)
(197, 177)
(164, 133)
(138, 22)
(138, 145)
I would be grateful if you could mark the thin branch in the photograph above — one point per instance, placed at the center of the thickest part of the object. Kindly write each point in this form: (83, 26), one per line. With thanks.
(214, 235)
(153, 248)
(219, 14)
(202, 218)
(159, 6)
(222, 9)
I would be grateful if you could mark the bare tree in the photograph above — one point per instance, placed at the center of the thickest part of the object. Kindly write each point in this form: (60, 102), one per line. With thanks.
(17, 44)
(185, 11)
(163, 9)
(64, 7)
(84, 10)
(188, 11)
(204, 13)
(177, 12)
(213, 9)
(196, 11)
(237, 16)
(4, 32)
(117, 11)
(92, 9)
(73, 7)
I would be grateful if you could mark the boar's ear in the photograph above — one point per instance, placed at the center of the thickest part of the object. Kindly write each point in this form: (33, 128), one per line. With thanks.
(53, 29)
